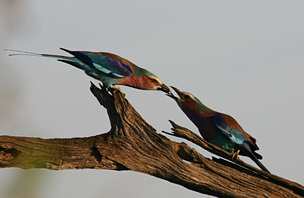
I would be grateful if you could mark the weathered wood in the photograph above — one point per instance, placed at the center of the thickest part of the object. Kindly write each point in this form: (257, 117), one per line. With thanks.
(132, 144)
(185, 133)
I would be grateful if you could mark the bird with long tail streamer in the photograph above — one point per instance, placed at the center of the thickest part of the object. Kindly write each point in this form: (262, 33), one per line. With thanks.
(109, 68)
(218, 128)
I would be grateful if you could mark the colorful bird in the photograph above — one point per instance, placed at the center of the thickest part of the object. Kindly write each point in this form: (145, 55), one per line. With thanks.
(218, 128)
(109, 68)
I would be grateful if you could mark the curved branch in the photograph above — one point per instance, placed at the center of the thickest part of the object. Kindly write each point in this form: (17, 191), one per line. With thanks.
(133, 144)
(179, 131)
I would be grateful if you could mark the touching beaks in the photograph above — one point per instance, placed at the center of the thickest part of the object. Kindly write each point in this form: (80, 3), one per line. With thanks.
(180, 93)
(164, 88)
(171, 95)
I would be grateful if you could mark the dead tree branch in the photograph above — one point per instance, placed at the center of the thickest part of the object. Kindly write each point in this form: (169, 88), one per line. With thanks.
(132, 144)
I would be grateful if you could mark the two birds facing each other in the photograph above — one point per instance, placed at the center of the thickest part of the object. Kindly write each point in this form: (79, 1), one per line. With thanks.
(215, 127)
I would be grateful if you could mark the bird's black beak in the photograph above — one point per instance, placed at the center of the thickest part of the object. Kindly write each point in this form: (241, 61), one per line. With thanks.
(180, 94)
(171, 95)
(164, 88)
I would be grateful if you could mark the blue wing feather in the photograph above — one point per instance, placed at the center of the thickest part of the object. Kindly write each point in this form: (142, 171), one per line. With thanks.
(110, 66)
(102, 63)
(236, 134)
(232, 133)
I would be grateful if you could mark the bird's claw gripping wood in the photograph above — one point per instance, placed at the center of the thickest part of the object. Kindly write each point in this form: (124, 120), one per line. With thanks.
(236, 155)
(114, 88)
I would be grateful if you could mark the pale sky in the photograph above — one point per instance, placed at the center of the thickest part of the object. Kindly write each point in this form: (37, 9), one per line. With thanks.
(243, 58)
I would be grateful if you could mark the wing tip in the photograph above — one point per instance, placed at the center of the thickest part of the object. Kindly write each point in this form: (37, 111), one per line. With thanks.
(66, 50)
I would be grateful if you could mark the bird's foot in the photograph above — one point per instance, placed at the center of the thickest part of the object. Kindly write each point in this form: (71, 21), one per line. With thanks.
(114, 88)
(235, 155)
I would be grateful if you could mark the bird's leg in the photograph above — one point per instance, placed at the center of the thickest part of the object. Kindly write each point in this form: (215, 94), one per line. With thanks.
(236, 155)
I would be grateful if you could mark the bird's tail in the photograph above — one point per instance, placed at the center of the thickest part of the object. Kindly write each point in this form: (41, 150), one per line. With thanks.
(58, 57)
(255, 159)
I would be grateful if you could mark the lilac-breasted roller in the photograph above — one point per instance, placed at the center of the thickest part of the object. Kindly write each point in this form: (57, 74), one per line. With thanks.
(218, 128)
(109, 68)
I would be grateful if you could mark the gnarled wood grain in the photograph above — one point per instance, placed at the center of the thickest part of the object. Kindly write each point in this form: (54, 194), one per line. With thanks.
(132, 144)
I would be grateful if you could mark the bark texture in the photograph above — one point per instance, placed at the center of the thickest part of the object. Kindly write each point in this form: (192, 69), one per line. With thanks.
(132, 144)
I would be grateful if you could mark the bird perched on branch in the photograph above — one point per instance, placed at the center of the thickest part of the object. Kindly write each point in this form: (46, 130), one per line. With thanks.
(218, 128)
(109, 68)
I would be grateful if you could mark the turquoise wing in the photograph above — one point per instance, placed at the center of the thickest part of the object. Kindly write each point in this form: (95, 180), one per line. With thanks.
(230, 128)
(109, 64)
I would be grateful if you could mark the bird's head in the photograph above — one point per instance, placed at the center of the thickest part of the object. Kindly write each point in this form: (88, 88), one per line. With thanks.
(150, 81)
(184, 97)
(157, 84)
(143, 79)
(189, 103)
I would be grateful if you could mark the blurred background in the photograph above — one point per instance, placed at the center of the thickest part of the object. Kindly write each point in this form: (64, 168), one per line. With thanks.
(244, 58)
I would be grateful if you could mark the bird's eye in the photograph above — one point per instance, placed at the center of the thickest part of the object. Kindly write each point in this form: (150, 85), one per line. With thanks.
(187, 97)
(154, 80)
